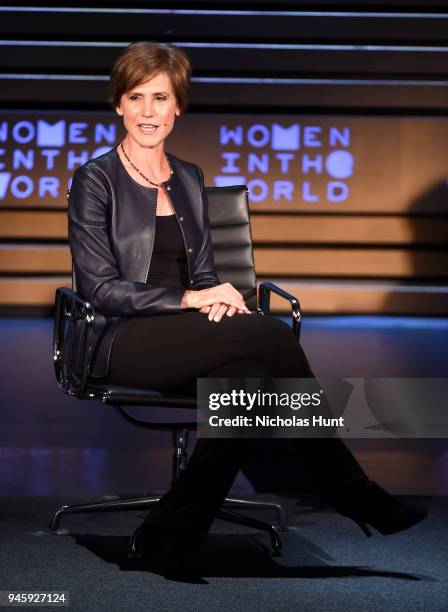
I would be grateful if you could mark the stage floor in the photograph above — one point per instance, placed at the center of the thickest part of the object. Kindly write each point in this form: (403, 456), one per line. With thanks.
(327, 563)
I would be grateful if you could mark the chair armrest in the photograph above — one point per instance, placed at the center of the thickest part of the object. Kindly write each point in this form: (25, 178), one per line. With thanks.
(264, 297)
(71, 307)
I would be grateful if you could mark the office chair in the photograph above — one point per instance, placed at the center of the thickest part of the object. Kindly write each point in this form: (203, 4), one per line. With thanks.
(232, 250)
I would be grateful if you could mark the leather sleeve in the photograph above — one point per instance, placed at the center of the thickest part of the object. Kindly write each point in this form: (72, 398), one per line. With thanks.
(97, 274)
(204, 275)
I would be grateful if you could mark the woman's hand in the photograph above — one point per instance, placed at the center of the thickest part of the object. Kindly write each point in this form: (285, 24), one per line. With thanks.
(218, 310)
(224, 294)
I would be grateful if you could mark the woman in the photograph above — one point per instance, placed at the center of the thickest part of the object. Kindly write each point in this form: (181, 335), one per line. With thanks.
(140, 243)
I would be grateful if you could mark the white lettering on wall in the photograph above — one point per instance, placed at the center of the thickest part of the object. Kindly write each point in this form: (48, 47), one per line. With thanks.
(310, 136)
(74, 160)
(3, 131)
(49, 185)
(50, 155)
(21, 159)
(76, 133)
(258, 162)
(312, 163)
(23, 132)
(283, 189)
(230, 162)
(21, 187)
(258, 135)
(105, 133)
(234, 136)
(280, 150)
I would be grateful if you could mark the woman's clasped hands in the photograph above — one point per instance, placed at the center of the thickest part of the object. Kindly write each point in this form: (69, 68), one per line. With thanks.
(216, 302)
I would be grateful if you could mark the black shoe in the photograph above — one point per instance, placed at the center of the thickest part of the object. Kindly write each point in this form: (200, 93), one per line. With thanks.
(368, 503)
(162, 552)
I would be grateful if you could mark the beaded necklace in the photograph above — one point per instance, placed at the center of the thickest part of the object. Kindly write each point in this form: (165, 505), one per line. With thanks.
(141, 173)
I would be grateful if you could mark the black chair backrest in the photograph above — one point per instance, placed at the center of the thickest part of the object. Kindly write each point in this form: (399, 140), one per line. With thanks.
(228, 213)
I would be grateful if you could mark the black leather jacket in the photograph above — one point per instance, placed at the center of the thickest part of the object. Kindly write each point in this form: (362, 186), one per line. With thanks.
(111, 233)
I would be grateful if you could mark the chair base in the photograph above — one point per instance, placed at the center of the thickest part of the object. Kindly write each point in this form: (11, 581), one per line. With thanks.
(180, 458)
(145, 503)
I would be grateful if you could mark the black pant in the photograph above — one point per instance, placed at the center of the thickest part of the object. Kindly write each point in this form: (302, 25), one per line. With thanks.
(171, 351)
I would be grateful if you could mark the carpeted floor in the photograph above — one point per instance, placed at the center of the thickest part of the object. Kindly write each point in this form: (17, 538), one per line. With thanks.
(327, 563)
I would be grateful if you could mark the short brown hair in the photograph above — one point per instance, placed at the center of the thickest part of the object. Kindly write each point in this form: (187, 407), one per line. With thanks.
(141, 60)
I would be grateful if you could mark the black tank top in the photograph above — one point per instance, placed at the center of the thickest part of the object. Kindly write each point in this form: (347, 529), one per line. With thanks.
(168, 262)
